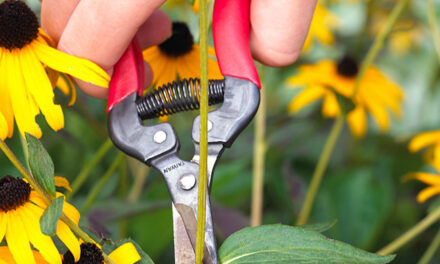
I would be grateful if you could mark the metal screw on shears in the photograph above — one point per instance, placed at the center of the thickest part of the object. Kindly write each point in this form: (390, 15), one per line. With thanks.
(160, 136)
(187, 182)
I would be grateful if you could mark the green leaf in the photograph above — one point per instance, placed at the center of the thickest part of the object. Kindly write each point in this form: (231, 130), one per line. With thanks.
(109, 246)
(50, 217)
(279, 244)
(41, 165)
(320, 227)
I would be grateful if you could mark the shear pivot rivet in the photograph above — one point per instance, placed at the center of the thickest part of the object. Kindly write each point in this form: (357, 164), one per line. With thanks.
(209, 125)
(187, 182)
(160, 136)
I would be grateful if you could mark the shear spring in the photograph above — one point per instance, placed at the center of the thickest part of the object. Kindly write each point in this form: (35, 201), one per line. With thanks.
(183, 95)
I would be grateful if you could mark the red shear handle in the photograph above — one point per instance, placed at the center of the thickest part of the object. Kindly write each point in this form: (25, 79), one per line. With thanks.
(231, 24)
(128, 75)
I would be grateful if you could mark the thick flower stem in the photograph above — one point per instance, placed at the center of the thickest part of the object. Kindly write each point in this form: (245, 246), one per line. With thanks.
(85, 171)
(412, 233)
(433, 247)
(203, 169)
(337, 127)
(19, 166)
(319, 170)
(258, 163)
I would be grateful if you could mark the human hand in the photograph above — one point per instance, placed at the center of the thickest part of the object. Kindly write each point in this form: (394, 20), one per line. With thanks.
(101, 30)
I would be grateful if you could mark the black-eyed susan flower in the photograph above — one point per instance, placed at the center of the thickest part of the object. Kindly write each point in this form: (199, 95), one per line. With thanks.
(92, 254)
(178, 57)
(320, 28)
(25, 58)
(376, 93)
(20, 211)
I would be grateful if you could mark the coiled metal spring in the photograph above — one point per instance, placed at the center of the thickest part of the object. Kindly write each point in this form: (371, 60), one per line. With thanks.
(183, 95)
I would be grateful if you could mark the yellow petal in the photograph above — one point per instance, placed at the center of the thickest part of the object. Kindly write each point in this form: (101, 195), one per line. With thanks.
(3, 225)
(125, 254)
(330, 106)
(5, 100)
(68, 238)
(305, 97)
(6, 257)
(66, 86)
(425, 177)
(41, 89)
(4, 131)
(423, 140)
(379, 113)
(77, 67)
(22, 104)
(62, 182)
(36, 199)
(30, 216)
(18, 241)
(357, 121)
(427, 193)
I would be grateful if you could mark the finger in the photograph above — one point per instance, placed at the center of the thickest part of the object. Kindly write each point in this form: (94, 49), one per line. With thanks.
(101, 32)
(155, 30)
(279, 29)
(54, 16)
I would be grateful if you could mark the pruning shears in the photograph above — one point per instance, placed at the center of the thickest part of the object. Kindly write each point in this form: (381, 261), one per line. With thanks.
(157, 145)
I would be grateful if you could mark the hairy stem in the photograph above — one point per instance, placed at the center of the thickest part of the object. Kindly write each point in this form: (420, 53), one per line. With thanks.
(411, 233)
(201, 202)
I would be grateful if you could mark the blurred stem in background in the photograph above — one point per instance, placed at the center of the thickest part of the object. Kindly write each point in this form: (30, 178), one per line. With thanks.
(433, 26)
(429, 253)
(85, 171)
(103, 180)
(338, 125)
(412, 233)
(140, 173)
(203, 162)
(46, 197)
(259, 157)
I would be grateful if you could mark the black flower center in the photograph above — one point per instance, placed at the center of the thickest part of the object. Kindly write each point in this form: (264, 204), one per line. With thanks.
(14, 192)
(18, 25)
(180, 42)
(347, 67)
(90, 254)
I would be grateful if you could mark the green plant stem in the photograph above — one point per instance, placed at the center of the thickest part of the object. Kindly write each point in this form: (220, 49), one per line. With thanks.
(320, 169)
(85, 171)
(98, 187)
(140, 176)
(411, 233)
(433, 26)
(259, 162)
(433, 247)
(337, 127)
(72, 225)
(203, 169)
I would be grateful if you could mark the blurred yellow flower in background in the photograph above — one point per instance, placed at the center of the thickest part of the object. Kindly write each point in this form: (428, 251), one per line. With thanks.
(326, 79)
(323, 20)
(178, 57)
(25, 87)
(20, 211)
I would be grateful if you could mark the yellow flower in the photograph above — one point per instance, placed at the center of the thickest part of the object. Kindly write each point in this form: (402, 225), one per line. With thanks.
(178, 57)
(25, 88)
(91, 253)
(431, 141)
(20, 211)
(7, 258)
(376, 92)
(322, 21)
